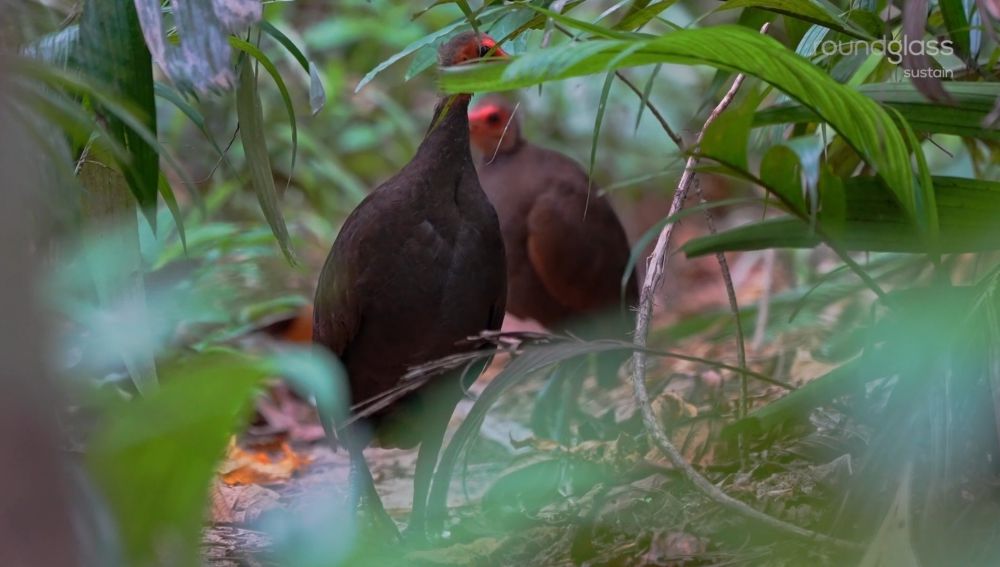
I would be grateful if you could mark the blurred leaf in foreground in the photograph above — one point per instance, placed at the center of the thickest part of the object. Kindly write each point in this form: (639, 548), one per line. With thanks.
(318, 530)
(119, 282)
(154, 458)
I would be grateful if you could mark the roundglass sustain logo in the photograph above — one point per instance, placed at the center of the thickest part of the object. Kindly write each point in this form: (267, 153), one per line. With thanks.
(894, 50)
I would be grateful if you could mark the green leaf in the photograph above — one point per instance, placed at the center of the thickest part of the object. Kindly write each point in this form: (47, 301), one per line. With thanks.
(121, 109)
(315, 374)
(598, 31)
(809, 150)
(832, 202)
(265, 61)
(644, 100)
(109, 210)
(280, 37)
(976, 31)
(925, 201)
(973, 102)
(521, 493)
(506, 29)
(866, 16)
(955, 19)
(894, 543)
(871, 220)
(431, 40)
(175, 210)
(173, 97)
(635, 19)
(251, 117)
(427, 40)
(727, 137)
(781, 171)
(786, 232)
(598, 120)
(516, 371)
(78, 125)
(425, 58)
(509, 27)
(317, 94)
(58, 48)
(470, 16)
(154, 457)
(861, 122)
(113, 52)
(815, 11)
(811, 40)
(532, 359)
(795, 407)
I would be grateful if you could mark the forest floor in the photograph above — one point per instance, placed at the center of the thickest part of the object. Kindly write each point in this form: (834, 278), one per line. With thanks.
(609, 499)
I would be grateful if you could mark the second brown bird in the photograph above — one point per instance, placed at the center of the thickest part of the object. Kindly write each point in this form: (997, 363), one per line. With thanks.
(566, 248)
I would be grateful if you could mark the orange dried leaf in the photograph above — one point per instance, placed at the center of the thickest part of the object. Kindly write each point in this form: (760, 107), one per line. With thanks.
(259, 467)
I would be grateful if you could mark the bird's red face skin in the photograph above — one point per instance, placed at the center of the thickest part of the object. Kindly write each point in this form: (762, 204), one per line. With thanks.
(485, 47)
(468, 47)
(491, 128)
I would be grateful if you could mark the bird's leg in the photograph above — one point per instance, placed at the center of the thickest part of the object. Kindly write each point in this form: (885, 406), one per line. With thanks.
(363, 490)
(427, 458)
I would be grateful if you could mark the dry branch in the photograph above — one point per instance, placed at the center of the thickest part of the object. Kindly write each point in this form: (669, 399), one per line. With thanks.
(656, 265)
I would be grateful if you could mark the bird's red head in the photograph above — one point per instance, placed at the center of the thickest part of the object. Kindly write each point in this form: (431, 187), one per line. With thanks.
(468, 46)
(493, 127)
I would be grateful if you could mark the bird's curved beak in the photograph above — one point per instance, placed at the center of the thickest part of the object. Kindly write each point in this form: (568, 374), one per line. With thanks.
(499, 52)
(495, 50)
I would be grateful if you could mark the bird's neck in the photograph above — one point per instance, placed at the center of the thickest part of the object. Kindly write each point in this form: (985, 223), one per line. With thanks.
(512, 142)
(451, 121)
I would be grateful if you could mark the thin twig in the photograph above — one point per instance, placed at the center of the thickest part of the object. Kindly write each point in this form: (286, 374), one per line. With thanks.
(741, 349)
(557, 7)
(652, 109)
(506, 127)
(222, 157)
(656, 265)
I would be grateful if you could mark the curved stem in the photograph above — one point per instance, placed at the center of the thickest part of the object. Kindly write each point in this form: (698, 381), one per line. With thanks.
(654, 279)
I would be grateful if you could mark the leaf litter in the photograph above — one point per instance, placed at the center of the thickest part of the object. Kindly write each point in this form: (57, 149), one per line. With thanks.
(608, 497)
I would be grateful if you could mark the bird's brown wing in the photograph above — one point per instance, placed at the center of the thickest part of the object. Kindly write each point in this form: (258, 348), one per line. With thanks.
(336, 314)
(579, 256)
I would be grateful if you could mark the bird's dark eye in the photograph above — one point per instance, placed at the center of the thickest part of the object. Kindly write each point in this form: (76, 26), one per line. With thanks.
(484, 50)
(493, 118)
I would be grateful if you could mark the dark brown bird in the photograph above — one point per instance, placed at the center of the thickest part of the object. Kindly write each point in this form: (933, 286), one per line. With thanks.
(417, 267)
(566, 249)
